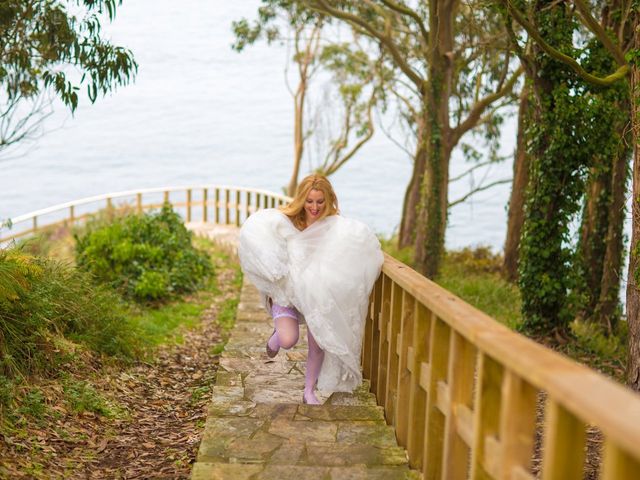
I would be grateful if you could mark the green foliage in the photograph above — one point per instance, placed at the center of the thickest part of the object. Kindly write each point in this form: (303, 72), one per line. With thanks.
(227, 314)
(474, 275)
(7, 388)
(81, 397)
(33, 404)
(390, 245)
(157, 325)
(42, 37)
(268, 25)
(601, 225)
(54, 302)
(595, 339)
(16, 270)
(562, 138)
(147, 257)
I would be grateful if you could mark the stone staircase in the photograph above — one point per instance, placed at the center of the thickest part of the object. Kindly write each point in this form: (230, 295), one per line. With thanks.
(257, 427)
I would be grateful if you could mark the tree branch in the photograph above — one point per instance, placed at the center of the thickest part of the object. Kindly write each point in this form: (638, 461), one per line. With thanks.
(322, 7)
(472, 169)
(599, 32)
(477, 110)
(407, 11)
(478, 189)
(620, 73)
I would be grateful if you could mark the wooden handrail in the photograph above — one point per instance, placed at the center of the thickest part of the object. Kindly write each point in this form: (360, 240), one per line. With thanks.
(464, 392)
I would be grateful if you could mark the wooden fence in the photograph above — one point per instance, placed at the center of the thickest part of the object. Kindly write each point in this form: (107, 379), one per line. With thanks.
(468, 397)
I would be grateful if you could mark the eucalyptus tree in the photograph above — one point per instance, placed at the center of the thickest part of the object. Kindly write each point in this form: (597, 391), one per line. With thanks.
(454, 63)
(356, 76)
(55, 46)
(515, 214)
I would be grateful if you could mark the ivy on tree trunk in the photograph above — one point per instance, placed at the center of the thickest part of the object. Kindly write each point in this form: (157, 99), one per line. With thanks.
(560, 145)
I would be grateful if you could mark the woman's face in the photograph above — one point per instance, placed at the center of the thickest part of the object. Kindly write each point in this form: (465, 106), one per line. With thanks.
(314, 206)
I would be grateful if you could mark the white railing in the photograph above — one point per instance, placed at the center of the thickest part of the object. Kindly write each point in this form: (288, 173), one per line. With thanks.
(220, 204)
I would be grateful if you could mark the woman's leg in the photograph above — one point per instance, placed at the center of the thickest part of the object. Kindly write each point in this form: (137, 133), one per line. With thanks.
(314, 364)
(286, 334)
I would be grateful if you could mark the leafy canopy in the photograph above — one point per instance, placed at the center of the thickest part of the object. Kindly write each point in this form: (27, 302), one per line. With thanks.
(40, 40)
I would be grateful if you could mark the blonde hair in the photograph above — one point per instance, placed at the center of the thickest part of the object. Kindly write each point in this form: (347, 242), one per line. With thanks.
(295, 209)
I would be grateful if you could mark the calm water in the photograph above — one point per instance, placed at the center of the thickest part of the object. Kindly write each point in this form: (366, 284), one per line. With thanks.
(202, 113)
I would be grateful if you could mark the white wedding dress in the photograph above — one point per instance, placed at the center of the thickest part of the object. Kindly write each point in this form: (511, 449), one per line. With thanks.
(327, 272)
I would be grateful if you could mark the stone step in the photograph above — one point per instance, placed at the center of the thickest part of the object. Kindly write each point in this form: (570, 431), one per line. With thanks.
(230, 471)
(258, 428)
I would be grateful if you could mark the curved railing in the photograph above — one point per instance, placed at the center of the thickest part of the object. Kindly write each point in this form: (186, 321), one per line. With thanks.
(220, 204)
(468, 397)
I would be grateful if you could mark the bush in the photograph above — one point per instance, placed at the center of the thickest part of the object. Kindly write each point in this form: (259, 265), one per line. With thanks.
(146, 257)
(49, 309)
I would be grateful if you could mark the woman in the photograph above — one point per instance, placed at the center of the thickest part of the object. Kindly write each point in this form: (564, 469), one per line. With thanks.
(314, 266)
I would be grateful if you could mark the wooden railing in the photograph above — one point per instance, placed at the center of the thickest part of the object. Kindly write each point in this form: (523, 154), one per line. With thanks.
(469, 398)
(220, 204)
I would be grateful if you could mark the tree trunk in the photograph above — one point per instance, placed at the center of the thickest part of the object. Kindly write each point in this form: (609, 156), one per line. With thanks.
(298, 136)
(633, 293)
(432, 218)
(411, 201)
(556, 184)
(605, 310)
(518, 191)
(592, 244)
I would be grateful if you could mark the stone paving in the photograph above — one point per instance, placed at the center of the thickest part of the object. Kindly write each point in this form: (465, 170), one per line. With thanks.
(257, 427)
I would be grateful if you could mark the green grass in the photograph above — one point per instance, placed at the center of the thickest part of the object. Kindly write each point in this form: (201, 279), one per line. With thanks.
(227, 314)
(478, 283)
(158, 326)
(474, 276)
(80, 396)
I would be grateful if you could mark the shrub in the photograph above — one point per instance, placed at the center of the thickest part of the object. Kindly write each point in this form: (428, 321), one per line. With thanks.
(49, 309)
(147, 257)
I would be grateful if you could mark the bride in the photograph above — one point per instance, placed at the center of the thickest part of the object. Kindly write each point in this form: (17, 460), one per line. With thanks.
(316, 267)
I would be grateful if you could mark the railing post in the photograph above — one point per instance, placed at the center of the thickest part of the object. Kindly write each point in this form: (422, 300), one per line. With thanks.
(205, 192)
(486, 423)
(371, 323)
(72, 216)
(434, 382)
(517, 425)
(35, 223)
(248, 206)
(418, 360)
(227, 195)
(217, 206)
(618, 463)
(139, 203)
(237, 208)
(383, 345)
(458, 429)
(392, 357)
(564, 433)
(188, 205)
(166, 197)
(403, 386)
